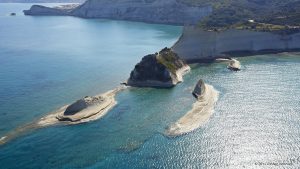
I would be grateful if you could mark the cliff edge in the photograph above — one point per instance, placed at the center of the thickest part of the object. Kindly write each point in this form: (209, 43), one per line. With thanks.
(62, 10)
(196, 44)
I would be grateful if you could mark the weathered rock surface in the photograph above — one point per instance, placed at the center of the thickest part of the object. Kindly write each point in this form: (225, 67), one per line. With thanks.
(199, 89)
(85, 108)
(163, 69)
(82, 104)
(151, 11)
(197, 45)
(234, 65)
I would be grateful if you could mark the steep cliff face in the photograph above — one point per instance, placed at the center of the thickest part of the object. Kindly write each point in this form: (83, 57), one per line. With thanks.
(163, 69)
(56, 11)
(151, 11)
(196, 44)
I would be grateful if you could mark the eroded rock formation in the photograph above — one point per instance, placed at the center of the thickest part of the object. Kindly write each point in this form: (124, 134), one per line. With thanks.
(163, 69)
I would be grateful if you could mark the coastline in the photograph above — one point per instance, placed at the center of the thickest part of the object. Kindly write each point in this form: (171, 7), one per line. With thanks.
(139, 11)
(197, 45)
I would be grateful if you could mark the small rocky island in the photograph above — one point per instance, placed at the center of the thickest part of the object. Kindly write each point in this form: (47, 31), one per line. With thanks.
(202, 109)
(84, 110)
(164, 69)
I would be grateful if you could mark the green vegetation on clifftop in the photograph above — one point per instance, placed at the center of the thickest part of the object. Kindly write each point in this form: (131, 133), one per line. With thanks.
(272, 15)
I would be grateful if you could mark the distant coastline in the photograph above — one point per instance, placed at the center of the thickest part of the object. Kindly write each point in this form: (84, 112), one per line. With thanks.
(197, 43)
(171, 12)
(42, 1)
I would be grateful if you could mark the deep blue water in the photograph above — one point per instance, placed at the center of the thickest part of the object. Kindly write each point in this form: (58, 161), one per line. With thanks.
(46, 62)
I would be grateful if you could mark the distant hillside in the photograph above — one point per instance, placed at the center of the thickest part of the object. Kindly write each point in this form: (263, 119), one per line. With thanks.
(265, 15)
(41, 1)
(229, 12)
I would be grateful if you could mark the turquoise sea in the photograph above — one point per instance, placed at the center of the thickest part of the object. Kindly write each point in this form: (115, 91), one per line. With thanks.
(47, 62)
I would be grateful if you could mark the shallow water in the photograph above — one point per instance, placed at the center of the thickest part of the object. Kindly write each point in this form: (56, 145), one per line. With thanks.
(49, 61)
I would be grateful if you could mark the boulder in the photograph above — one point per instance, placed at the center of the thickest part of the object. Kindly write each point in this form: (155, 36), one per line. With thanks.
(234, 65)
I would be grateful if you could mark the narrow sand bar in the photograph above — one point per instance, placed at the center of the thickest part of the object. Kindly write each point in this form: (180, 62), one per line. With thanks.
(200, 113)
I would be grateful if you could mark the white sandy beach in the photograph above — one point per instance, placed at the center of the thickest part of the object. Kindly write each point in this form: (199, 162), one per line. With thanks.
(195, 118)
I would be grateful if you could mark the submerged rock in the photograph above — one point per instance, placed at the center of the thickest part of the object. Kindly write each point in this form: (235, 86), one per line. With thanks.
(163, 69)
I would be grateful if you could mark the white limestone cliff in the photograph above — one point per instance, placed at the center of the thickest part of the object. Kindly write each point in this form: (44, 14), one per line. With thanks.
(196, 44)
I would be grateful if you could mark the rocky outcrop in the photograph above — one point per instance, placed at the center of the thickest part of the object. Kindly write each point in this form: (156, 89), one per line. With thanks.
(84, 110)
(199, 89)
(234, 65)
(197, 45)
(163, 69)
(202, 109)
(151, 11)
